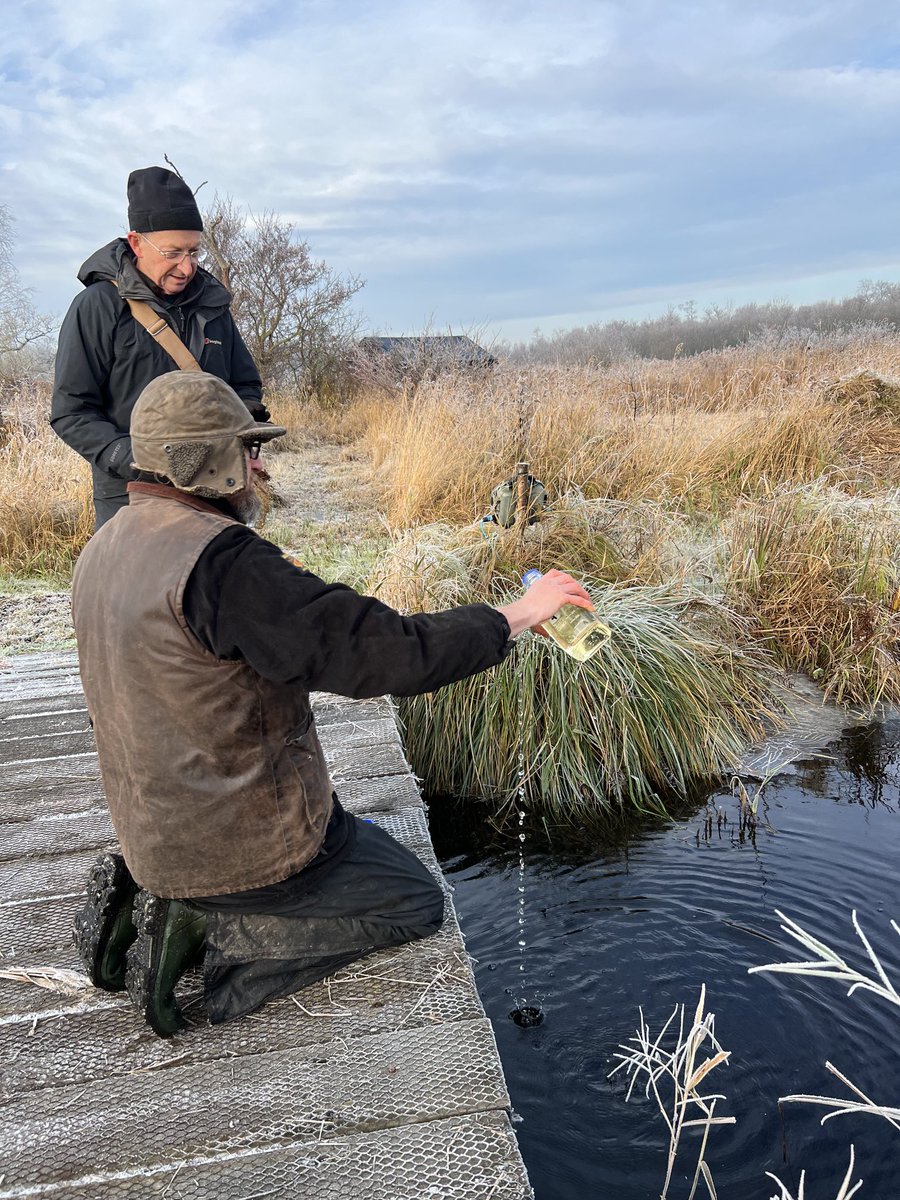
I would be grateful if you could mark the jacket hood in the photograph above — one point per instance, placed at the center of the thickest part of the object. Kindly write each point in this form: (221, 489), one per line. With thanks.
(115, 262)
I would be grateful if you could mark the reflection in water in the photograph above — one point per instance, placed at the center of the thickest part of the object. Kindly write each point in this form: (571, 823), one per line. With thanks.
(642, 918)
(870, 754)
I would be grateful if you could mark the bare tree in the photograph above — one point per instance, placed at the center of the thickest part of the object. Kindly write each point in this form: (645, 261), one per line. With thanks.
(21, 325)
(292, 310)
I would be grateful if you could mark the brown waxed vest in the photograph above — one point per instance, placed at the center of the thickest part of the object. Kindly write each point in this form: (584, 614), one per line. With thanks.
(215, 778)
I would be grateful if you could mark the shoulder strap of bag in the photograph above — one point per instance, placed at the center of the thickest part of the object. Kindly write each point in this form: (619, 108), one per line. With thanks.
(160, 329)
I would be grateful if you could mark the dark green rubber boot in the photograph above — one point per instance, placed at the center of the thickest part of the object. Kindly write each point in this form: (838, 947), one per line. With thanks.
(104, 928)
(170, 939)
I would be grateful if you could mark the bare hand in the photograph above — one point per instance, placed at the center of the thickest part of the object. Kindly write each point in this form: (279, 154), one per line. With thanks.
(544, 599)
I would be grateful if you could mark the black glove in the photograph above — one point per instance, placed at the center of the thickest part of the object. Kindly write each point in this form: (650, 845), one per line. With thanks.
(259, 412)
(116, 460)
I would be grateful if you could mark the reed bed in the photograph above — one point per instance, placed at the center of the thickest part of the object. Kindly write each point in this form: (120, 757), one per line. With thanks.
(817, 571)
(45, 491)
(46, 512)
(308, 422)
(696, 435)
(767, 480)
(766, 486)
(764, 478)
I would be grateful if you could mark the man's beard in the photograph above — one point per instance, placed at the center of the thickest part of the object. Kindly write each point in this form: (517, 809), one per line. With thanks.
(246, 504)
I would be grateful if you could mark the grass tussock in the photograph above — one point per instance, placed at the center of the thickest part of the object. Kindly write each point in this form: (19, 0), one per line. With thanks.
(675, 696)
(867, 391)
(660, 710)
(436, 566)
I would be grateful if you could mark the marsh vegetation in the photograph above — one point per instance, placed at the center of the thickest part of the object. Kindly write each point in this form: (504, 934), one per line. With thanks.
(737, 514)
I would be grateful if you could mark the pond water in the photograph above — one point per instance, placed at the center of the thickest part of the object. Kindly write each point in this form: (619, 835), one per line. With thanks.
(641, 920)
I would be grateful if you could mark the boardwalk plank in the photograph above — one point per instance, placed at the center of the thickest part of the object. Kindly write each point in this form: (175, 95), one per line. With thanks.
(471, 1157)
(338, 1087)
(408, 987)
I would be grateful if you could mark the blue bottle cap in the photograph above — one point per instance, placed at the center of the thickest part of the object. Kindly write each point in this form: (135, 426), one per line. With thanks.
(531, 576)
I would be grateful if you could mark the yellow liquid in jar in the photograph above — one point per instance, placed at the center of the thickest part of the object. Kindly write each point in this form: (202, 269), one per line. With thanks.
(579, 632)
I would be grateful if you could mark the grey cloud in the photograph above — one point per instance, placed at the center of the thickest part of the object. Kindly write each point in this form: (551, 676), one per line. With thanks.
(490, 160)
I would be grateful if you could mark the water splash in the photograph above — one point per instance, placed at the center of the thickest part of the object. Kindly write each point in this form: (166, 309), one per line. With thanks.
(528, 1016)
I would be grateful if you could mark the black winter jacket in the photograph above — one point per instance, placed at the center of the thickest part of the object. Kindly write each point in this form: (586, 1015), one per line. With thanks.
(105, 358)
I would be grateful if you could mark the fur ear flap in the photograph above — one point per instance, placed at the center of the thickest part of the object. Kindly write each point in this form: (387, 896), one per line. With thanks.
(186, 460)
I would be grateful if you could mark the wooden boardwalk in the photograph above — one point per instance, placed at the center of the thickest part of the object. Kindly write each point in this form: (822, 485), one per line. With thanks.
(383, 1083)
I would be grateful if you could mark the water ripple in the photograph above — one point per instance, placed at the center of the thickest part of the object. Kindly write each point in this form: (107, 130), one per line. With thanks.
(642, 926)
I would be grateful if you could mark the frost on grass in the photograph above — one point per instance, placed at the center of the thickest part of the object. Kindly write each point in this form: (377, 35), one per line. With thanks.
(826, 963)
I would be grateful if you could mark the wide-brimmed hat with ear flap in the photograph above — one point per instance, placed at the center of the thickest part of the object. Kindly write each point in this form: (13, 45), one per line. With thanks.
(192, 428)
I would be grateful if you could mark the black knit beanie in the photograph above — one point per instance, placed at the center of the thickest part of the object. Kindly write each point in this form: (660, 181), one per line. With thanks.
(159, 199)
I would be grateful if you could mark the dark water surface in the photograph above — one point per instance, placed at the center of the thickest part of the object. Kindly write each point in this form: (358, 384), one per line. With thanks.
(643, 922)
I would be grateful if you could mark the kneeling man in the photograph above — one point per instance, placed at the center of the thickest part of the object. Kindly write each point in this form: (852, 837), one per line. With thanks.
(199, 644)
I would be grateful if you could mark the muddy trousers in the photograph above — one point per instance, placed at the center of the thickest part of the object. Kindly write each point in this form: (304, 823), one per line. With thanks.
(377, 895)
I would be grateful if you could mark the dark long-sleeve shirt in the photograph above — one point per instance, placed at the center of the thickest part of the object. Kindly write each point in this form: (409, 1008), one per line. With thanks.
(244, 599)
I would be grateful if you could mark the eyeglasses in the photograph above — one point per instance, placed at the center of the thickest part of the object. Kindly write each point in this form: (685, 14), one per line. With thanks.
(173, 256)
(253, 448)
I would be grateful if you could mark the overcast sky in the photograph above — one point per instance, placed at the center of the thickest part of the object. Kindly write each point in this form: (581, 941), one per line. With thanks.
(478, 163)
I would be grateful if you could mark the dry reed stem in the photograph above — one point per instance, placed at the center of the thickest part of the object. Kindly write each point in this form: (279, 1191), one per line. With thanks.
(54, 979)
(827, 964)
(841, 1107)
(679, 1069)
(844, 1192)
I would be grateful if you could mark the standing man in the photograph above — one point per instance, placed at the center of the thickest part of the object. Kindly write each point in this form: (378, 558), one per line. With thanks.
(106, 358)
(199, 644)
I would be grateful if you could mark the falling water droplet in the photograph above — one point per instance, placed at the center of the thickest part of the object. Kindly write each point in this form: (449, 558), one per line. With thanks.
(521, 811)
